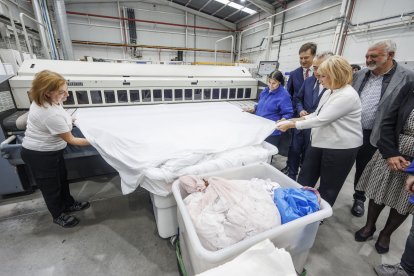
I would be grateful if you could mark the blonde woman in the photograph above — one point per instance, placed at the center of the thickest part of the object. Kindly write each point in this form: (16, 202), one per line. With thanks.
(47, 134)
(336, 130)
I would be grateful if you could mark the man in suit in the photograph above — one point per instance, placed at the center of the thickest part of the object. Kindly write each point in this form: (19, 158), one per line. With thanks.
(306, 101)
(306, 54)
(377, 85)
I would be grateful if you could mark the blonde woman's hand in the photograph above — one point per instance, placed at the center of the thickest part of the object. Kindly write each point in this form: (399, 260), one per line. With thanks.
(284, 125)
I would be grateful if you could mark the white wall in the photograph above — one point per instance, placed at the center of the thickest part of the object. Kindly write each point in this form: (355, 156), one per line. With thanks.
(109, 30)
(356, 43)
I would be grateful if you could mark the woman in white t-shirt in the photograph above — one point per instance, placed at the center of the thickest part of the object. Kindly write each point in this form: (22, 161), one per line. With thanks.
(47, 134)
(336, 130)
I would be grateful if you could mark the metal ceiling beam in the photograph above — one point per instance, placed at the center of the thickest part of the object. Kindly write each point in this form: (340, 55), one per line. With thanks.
(205, 5)
(201, 14)
(236, 11)
(263, 5)
(189, 1)
(220, 9)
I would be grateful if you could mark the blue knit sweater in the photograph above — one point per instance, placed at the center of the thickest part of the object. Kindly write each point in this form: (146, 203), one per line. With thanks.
(274, 105)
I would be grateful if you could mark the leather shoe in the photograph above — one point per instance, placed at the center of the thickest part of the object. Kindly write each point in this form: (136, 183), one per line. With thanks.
(360, 238)
(358, 209)
(381, 249)
(285, 170)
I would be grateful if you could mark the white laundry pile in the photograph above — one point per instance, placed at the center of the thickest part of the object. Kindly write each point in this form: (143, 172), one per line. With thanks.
(135, 138)
(229, 211)
(158, 180)
(262, 259)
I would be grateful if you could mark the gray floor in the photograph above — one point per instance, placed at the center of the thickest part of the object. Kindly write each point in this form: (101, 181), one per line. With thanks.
(118, 236)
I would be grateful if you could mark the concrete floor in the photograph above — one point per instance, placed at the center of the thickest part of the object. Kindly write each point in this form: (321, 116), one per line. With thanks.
(118, 236)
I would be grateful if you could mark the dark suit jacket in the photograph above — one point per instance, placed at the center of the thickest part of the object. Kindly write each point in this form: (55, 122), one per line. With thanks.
(307, 98)
(399, 78)
(393, 123)
(295, 81)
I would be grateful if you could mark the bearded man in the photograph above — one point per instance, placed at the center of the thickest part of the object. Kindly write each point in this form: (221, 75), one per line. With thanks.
(377, 85)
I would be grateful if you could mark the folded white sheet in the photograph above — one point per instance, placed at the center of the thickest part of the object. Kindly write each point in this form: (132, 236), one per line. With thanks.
(133, 139)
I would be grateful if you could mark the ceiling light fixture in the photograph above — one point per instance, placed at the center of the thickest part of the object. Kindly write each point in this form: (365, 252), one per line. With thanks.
(236, 6)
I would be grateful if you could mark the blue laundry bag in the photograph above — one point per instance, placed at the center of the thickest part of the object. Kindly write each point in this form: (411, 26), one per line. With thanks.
(295, 203)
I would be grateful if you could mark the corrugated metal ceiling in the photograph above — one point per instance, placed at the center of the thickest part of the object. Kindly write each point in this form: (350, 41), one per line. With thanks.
(226, 12)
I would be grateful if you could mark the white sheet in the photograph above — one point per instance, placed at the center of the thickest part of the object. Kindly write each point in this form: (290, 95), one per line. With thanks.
(158, 180)
(262, 259)
(134, 138)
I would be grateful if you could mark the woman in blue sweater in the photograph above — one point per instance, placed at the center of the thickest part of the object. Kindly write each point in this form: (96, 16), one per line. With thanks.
(275, 104)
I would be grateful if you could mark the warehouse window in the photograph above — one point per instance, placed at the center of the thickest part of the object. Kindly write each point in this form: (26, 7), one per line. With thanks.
(82, 97)
(157, 95)
(122, 96)
(197, 94)
(188, 94)
(216, 93)
(178, 94)
(224, 93)
(134, 96)
(96, 96)
(207, 94)
(146, 95)
(109, 96)
(239, 93)
(232, 93)
(248, 93)
(168, 95)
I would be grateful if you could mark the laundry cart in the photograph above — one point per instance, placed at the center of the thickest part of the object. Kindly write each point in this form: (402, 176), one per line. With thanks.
(165, 206)
(297, 236)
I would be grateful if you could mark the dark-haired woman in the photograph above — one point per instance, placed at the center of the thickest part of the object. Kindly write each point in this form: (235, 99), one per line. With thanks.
(274, 104)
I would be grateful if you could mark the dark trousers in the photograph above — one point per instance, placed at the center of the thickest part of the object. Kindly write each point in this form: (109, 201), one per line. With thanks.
(274, 140)
(331, 165)
(297, 151)
(407, 259)
(365, 153)
(49, 171)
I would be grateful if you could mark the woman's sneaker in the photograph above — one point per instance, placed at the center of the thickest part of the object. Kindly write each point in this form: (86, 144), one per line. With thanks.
(78, 206)
(66, 221)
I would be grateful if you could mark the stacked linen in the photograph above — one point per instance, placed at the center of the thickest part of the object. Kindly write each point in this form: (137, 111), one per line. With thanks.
(133, 139)
(228, 211)
(158, 180)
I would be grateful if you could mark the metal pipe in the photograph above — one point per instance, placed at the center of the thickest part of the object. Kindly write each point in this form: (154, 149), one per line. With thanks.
(148, 21)
(280, 39)
(46, 18)
(241, 34)
(380, 27)
(62, 23)
(293, 19)
(96, 43)
(38, 16)
(300, 29)
(186, 34)
(304, 28)
(16, 37)
(232, 47)
(277, 40)
(29, 47)
(382, 19)
(7, 141)
(298, 5)
(120, 27)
